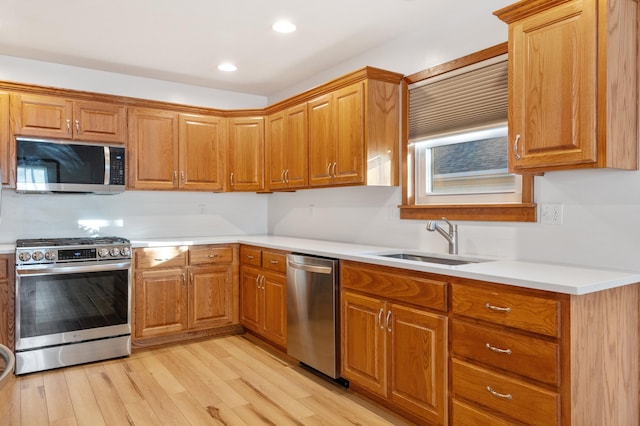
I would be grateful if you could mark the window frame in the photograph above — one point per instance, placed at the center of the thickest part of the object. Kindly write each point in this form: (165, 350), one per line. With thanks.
(524, 211)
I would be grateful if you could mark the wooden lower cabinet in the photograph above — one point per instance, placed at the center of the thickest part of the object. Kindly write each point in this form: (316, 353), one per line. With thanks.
(394, 350)
(263, 290)
(7, 300)
(182, 289)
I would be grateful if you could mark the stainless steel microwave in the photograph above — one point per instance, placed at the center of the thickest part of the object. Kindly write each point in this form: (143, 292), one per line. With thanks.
(45, 165)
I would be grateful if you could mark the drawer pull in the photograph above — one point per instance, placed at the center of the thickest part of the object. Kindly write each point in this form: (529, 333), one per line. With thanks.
(498, 350)
(212, 256)
(273, 262)
(496, 308)
(158, 259)
(498, 394)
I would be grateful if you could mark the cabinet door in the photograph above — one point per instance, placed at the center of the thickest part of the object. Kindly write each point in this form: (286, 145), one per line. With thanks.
(275, 151)
(246, 154)
(250, 297)
(349, 156)
(417, 347)
(202, 152)
(210, 296)
(153, 149)
(363, 337)
(7, 301)
(160, 302)
(552, 68)
(322, 140)
(46, 116)
(6, 147)
(99, 121)
(297, 147)
(274, 307)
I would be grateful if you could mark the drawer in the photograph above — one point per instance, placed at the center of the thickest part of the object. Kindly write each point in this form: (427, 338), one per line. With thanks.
(201, 255)
(160, 257)
(511, 309)
(535, 358)
(274, 261)
(395, 284)
(463, 415)
(250, 255)
(514, 398)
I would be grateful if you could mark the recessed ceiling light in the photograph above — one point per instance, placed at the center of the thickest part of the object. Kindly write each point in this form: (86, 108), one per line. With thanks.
(283, 27)
(227, 67)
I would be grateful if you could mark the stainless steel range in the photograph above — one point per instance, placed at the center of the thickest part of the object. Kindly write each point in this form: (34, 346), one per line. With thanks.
(73, 301)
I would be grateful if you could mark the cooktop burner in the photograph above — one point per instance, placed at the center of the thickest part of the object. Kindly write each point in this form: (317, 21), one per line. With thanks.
(61, 242)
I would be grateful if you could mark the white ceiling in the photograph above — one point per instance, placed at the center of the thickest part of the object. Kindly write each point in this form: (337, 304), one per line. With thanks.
(184, 40)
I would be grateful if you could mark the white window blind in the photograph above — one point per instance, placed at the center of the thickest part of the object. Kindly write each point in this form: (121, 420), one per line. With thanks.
(467, 98)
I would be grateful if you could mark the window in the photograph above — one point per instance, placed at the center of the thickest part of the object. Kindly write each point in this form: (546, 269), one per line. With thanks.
(456, 144)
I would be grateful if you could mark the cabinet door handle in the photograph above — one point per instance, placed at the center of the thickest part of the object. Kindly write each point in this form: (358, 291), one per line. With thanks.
(286, 176)
(380, 318)
(175, 177)
(333, 172)
(282, 176)
(515, 146)
(184, 280)
(498, 350)
(231, 179)
(388, 321)
(68, 126)
(182, 179)
(496, 308)
(258, 281)
(191, 278)
(329, 169)
(498, 394)
(78, 126)
(262, 281)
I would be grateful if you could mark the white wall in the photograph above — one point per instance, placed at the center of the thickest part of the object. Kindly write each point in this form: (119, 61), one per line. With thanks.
(20, 70)
(132, 214)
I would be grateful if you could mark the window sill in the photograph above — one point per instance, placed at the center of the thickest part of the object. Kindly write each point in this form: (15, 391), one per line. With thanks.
(476, 212)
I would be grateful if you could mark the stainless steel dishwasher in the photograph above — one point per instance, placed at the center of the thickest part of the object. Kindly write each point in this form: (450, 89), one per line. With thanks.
(312, 313)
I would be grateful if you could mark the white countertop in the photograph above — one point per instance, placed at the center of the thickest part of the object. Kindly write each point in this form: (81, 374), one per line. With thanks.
(569, 279)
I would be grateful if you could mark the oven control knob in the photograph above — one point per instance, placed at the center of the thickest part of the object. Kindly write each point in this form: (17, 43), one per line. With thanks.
(125, 251)
(115, 251)
(50, 255)
(37, 256)
(103, 252)
(24, 256)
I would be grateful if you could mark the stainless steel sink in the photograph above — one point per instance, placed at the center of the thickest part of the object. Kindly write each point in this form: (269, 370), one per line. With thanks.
(434, 259)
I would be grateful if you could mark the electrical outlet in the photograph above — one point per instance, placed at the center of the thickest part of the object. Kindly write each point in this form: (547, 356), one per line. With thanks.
(551, 213)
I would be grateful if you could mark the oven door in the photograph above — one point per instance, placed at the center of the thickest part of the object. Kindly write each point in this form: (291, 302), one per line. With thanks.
(66, 304)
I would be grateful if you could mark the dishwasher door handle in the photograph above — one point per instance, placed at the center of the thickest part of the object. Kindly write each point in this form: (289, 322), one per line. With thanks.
(311, 268)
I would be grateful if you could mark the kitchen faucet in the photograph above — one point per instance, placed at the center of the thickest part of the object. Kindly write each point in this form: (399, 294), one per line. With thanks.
(451, 236)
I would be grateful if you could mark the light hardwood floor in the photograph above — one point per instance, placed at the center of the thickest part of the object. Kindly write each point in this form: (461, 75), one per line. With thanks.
(222, 381)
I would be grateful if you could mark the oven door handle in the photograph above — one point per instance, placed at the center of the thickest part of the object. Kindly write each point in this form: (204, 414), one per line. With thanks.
(69, 269)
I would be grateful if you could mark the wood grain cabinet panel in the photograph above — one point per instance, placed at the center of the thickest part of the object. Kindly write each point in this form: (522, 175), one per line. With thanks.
(573, 89)
(287, 148)
(246, 154)
(263, 293)
(161, 302)
(202, 152)
(7, 172)
(61, 118)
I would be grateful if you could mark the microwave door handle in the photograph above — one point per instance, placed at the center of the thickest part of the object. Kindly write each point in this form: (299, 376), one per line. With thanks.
(107, 165)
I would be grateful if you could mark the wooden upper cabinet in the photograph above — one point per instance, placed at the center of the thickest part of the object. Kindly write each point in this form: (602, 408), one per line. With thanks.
(336, 137)
(153, 149)
(354, 134)
(287, 147)
(246, 154)
(573, 91)
(55, 117)
(202, 152)
(7, 176)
